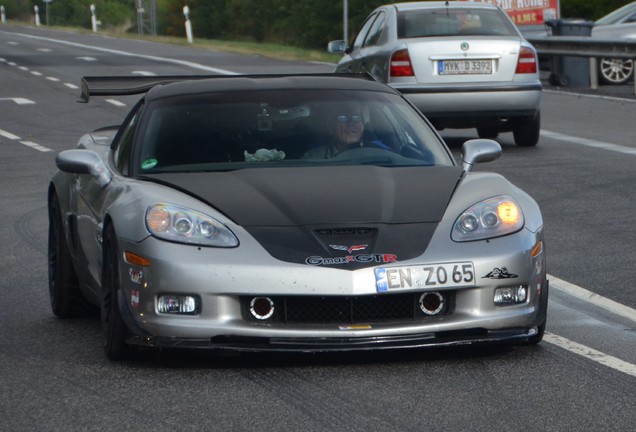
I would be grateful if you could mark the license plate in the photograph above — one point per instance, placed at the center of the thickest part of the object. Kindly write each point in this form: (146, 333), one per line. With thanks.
(464, 67)
(428, 276)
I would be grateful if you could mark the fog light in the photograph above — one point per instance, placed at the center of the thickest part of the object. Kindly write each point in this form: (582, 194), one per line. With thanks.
(178, 304)
(511, 295)
(262, 308)
(432, 303)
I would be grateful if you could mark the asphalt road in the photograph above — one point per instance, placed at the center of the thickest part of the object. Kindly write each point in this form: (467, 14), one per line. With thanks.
(54, 375)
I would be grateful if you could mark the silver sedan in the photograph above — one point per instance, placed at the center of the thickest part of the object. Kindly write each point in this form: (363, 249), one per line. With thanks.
(464, 65)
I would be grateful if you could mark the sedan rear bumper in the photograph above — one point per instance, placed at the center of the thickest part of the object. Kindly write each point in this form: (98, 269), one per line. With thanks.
(474, 105)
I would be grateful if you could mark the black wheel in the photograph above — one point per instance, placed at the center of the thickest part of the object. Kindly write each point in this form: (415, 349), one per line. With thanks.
(615, 71)
(66, 299)
(526, 132)
(488, 133)
(113, 328)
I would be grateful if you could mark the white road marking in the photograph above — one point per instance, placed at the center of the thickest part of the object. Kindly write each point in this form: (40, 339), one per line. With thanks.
(144, 73)
(8, 135)
(88, 59)
(44, 49)
(116, 102)
(23, 68)
(36, 146)
(36, 73)
(129, 54)
(591, 354)
(590, 297)
(582, 350)
(71, 86)
(19, 101)
(53, 79)
(12, 43)
(11, 64)
(589, 143)
(31, 144)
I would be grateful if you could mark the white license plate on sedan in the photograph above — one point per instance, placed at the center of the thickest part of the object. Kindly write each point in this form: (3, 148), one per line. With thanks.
(464, 67)
(427, 276)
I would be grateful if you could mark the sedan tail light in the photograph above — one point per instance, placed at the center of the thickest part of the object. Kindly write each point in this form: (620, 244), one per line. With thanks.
(527, 61)
(401, 64)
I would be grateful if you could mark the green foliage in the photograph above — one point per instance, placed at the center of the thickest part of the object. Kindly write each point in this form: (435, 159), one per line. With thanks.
(589, 9)
(300, 23)
(112, 13)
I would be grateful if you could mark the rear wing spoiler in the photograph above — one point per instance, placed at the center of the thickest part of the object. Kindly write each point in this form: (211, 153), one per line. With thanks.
(132, 85)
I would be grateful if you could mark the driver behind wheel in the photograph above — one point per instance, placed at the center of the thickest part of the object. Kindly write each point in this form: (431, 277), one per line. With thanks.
(347, 129)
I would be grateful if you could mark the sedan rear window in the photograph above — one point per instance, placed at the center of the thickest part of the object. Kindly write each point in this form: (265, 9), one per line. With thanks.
(454, 22)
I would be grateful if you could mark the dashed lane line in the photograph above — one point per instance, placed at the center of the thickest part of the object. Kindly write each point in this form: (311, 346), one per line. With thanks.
(30, 144)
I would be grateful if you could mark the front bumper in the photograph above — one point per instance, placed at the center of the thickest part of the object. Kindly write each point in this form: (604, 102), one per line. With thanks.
(341, 344)
(223, 278)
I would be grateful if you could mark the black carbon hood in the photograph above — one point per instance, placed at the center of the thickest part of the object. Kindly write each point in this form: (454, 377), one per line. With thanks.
(344, 217)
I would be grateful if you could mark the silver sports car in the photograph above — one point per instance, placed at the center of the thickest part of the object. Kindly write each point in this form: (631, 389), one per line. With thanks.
(288, 213)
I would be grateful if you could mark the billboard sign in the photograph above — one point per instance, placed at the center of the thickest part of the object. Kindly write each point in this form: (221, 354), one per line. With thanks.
(528, 12)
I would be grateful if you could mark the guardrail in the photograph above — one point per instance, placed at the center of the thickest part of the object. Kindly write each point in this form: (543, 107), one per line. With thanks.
(585, 46)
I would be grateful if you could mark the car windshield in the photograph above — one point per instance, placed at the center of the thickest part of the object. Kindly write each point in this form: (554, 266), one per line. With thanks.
(235, 130)
(453, 22)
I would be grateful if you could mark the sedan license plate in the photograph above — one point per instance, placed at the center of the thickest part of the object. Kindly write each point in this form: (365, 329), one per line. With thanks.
(464, 67)
(428, 276)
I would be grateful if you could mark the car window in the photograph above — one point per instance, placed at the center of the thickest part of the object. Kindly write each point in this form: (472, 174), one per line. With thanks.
(453, 22)
(362, 34)
(376, 30)
(285, 128)
(124, 143)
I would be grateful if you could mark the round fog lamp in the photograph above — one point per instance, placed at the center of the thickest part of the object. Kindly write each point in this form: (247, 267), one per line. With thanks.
(261, 308)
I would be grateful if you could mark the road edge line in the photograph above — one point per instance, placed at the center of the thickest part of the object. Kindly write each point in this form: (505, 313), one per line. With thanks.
(591, 354)
(591, 297)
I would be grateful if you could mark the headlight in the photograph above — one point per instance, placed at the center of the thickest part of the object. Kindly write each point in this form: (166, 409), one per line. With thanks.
(493, 217)
(181, 225)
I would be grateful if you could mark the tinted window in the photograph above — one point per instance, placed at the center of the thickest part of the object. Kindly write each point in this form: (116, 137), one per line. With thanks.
(357, 43)
(124, 144)
(454, 22)
(376, 30)
(285, 128)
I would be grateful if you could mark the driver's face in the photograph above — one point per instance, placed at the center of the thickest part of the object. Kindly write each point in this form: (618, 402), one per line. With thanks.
(349, 128)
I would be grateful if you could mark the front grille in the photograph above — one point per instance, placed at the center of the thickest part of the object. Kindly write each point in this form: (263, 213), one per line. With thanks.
(345, 310)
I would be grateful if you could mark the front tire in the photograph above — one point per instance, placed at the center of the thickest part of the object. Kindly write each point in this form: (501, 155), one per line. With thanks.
(65, 296)
(526, 132)
(114, 330)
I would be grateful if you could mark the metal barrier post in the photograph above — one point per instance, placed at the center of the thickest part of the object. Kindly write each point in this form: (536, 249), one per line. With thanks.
(593, 73)
(36, 9)
(188, 24)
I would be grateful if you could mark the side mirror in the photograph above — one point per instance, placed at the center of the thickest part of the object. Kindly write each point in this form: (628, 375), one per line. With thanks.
(337, 47)
(479, 150)
(79, 161)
